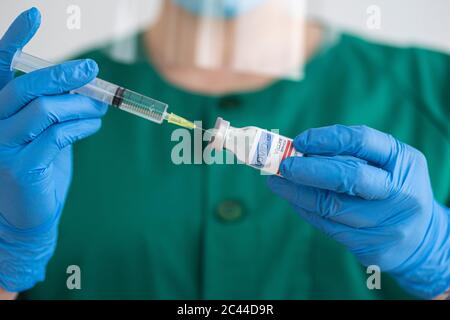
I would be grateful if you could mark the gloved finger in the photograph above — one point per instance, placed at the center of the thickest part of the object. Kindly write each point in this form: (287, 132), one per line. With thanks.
(16, 37)
(363, 142)
(340, 208)
(330, 228)
(54, 80)
(307, 198)
(43, 112)
(60, 165)
(341, 227)
(351, 177)
(342, 158)
(357, 240)
(305, 201)
(43, 150)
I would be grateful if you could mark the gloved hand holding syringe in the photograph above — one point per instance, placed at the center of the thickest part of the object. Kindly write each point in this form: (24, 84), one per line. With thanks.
(110, 93)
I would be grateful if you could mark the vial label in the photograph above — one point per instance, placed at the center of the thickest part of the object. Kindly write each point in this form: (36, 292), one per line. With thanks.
(269, 150)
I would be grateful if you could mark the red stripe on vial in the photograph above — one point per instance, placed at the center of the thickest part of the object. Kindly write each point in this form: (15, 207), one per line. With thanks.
(287, 152)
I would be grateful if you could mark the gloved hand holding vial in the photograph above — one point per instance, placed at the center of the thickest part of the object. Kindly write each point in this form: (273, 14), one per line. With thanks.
(383, 185)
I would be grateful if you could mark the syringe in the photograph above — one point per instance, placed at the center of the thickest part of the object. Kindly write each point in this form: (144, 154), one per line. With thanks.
(110, 93)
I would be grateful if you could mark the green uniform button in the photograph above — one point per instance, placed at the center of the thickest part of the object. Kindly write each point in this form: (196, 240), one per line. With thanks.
(230, 210)
(230, 102)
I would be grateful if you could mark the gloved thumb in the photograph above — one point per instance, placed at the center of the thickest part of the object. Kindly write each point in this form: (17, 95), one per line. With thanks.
(16, 37)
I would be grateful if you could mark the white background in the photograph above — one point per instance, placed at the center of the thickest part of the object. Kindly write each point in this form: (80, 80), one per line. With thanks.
(418, 22)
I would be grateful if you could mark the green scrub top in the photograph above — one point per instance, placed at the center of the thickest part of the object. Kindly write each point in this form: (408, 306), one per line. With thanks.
(139, 226)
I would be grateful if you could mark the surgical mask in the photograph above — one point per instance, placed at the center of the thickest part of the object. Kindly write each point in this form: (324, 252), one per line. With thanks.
(227, 9)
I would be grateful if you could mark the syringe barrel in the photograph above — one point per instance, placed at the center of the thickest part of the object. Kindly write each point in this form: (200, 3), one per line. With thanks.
(26, 63)
(101, 90)
(98, 89)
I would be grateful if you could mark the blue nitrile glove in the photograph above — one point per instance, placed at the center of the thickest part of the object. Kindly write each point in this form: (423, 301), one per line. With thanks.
(39, 121)
(372, 193)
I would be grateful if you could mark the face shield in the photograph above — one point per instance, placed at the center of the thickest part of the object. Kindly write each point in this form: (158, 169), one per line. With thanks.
(255, 37)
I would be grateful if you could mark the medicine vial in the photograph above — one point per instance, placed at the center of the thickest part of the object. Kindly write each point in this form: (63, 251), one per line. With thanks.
(256, 147)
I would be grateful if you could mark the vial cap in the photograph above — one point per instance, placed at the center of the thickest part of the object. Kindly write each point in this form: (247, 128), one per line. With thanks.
(219, 133)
